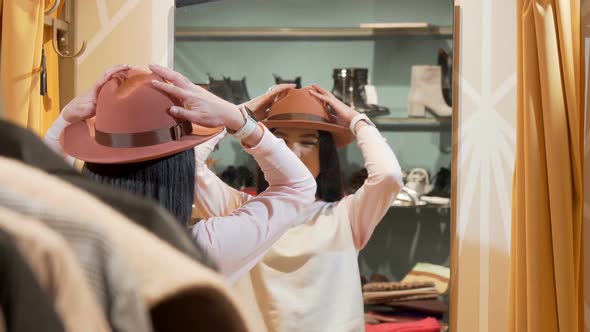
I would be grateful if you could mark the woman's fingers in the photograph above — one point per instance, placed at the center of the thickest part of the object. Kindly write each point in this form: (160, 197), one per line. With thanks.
(171, 89)
(109, 73)
(171, 76)
(321, 97)
(183, 114)
(322, 90)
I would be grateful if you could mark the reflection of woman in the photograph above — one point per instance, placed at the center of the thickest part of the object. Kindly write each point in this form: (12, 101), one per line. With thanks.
(309, 280)
(139, 147)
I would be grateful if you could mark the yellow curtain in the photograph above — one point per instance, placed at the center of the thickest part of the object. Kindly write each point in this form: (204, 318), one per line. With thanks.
(51, 106)
(20, 52)
(546, 255)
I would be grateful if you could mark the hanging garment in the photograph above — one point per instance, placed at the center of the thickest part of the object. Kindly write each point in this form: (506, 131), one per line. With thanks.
(57, 271)
(26, 307)
(181, 294)
(21, 144)
(115, 287)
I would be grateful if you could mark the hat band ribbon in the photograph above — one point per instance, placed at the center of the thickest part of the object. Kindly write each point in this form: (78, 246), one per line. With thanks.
(146, 138)
(299, 116)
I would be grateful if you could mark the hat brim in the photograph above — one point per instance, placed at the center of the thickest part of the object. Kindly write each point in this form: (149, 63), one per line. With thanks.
(342, 135)
(77, 140)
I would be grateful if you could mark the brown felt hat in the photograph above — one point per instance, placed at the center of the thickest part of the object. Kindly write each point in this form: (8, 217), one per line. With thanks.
(132, 124)
(299, 109)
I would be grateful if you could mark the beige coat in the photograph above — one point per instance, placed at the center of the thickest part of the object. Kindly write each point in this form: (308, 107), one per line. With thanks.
(57, 271)
(182, 294)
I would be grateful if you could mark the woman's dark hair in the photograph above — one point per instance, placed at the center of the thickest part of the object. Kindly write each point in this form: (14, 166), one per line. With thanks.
(329, 180)
(169, 180)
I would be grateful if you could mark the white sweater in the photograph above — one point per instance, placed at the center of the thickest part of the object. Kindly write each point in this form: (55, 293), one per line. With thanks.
(309, 280)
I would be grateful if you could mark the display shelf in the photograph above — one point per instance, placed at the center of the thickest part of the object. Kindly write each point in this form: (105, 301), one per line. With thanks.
(425, 207)
(364, 31)
(413, 124)
(429, 211)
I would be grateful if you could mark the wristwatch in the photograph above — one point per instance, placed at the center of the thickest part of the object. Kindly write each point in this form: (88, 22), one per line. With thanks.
(248, 128)
(357, 118)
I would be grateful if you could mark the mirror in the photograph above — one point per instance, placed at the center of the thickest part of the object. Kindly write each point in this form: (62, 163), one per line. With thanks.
(391, 60)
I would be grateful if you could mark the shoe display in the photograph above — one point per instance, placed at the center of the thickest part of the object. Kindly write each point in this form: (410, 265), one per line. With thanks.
(426, 93)
(239, 91)
(408, 197)
(234, 91)
(445, 61)
(441, 192)
(280, 80)
(221, 88)
(349, 87)
(418, 181)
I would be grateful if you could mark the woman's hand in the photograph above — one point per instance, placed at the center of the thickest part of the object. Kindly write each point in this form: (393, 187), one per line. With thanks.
(84, 106)
(261, 104)
(200, 106)
(344, 112)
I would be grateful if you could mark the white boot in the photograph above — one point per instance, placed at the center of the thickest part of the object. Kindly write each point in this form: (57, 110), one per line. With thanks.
(426, 93)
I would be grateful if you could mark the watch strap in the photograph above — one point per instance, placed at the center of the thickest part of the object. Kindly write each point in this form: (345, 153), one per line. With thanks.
(356, 119)
(248, 128)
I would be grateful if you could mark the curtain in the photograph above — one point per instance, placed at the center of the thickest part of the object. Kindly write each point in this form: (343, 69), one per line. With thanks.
(51, 105)
(546, 250)
(20, 52)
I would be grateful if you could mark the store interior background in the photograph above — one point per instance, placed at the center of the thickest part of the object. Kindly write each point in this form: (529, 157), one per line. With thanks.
(486, 111)
(406, 236)
(389, 59)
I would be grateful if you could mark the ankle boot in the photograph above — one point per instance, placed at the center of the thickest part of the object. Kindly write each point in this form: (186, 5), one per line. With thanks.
(221, 88)
(445, 61)
(426, 93)
(441, 193)
(239, 91)
(296, 81)
(349, 87)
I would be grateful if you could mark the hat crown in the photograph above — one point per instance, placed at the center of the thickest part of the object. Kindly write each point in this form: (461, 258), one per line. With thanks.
(129, 103)
(299, 101)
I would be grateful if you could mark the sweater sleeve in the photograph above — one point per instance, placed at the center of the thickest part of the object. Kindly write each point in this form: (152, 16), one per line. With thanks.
(52, 138)
(213, 197)
(238, 241)
(371, 201)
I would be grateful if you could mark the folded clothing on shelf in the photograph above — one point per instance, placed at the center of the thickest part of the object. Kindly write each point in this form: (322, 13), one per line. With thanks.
(376, 316)
(426, 272)
(431, 306)
(425, 325)
(387, 292)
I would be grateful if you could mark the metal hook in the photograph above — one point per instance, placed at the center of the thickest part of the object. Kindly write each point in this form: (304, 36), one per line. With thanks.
(53, 8)
(56, 46)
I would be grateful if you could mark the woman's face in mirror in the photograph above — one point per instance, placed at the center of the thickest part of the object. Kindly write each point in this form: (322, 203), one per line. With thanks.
(305, 143)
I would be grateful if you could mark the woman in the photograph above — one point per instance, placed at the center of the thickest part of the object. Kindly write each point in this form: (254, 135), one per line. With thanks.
(309, 280)
(144, 143)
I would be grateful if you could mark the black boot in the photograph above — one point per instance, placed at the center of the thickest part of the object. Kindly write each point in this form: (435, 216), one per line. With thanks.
(445, 61)
(349, 86)
(239, 91)
(280, 80)
(221, 88)
(441, 192)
